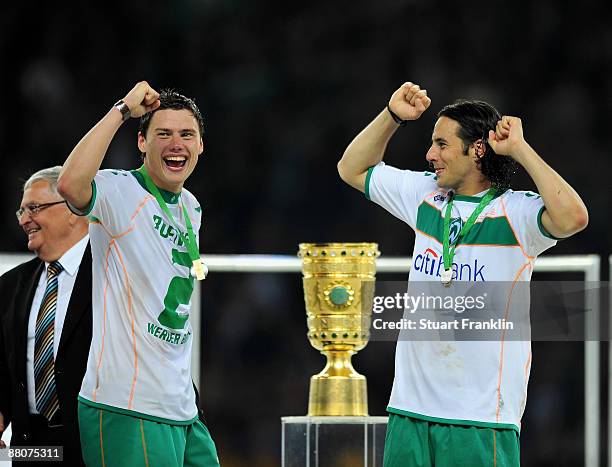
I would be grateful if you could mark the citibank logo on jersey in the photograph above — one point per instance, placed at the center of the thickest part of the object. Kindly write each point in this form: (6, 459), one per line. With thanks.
(430, 263)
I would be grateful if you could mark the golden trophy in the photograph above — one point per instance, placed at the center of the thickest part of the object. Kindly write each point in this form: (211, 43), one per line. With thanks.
(339, 283)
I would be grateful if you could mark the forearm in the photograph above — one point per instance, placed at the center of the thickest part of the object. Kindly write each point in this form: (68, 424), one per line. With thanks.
(564, 207)
(366, 150)
(85, 159)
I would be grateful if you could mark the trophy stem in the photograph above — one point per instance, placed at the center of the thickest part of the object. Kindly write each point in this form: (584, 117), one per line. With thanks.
(338, 390)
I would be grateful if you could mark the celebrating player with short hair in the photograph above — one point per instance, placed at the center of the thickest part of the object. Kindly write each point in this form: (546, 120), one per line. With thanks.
(461, 404)
(137, 401)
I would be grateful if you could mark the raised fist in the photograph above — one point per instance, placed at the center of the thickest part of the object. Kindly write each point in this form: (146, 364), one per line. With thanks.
(507, 137)
(409, 101)
(141, 99)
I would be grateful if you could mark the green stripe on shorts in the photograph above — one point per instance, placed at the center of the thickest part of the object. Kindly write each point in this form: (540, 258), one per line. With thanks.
(109, 439)
(420, 443)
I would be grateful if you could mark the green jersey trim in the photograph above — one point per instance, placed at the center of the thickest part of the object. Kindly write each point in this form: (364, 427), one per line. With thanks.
(92, 203)
(541, 227)
(169, 197)
(494, 231)
(133, 413)
(367, 183)
(452, 421)
(475, 199)
(90, 206)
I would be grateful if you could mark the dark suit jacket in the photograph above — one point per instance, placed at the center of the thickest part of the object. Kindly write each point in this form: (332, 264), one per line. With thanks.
(17, 288)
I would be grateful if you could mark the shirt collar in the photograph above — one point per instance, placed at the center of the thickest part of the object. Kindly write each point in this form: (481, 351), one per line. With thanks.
(477, 197)
(168, 196)
(71, 260)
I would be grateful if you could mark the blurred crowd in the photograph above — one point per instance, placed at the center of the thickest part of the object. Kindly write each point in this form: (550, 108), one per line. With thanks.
(284, 87)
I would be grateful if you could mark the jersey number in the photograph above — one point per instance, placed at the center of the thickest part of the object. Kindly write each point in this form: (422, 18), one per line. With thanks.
(179, 293)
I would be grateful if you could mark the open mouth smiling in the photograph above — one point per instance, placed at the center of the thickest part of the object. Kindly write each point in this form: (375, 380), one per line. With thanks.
(32, 230)
(175, 162)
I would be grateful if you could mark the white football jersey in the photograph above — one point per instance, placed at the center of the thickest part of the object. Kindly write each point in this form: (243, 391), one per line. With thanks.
(477, 382)
(140, 357)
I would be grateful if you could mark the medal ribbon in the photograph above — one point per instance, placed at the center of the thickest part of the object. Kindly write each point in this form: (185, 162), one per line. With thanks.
(190, 241)
(447, 253)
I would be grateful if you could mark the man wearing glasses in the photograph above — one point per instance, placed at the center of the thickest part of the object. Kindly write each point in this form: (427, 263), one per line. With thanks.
(45, 324)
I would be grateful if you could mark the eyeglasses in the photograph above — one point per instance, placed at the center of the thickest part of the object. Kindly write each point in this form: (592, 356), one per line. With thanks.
(34, 209)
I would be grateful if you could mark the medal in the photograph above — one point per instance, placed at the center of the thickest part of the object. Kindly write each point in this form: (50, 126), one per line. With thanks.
(199, 270)
(448, 252)
(446, 277)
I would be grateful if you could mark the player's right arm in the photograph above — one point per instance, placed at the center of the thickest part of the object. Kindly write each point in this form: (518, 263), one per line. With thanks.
(368, 147)
(74, 183)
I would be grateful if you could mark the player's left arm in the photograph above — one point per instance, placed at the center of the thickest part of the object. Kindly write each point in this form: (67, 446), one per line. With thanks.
(565, 214)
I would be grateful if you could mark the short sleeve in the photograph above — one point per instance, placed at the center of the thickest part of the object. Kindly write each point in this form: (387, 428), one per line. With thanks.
(524, 210)
(399, 191)
(112, 199)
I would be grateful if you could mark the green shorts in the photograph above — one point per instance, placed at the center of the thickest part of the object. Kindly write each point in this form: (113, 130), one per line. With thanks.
(110, 439)
(412, 442)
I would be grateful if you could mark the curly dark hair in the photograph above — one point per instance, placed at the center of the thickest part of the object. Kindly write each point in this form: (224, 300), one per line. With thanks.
(170, 99)
(475, 119)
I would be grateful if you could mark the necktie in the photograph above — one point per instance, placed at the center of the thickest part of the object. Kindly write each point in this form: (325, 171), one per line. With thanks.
(44, 375)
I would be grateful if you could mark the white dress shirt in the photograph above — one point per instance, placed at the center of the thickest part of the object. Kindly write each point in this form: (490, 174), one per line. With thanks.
(70, 261)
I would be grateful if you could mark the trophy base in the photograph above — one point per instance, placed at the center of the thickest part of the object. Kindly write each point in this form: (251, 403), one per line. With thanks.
(338, 396)
(332, 441)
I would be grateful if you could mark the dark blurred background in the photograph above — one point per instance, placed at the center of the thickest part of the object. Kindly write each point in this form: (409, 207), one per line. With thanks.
(284, 87)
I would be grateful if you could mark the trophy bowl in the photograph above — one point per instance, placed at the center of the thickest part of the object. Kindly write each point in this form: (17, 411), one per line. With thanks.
(339, 281)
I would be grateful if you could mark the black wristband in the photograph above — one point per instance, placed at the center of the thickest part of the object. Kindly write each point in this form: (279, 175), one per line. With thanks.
(396, 118)
(124, 109)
